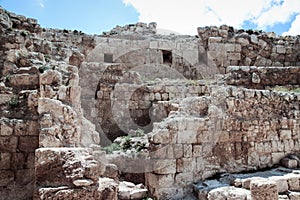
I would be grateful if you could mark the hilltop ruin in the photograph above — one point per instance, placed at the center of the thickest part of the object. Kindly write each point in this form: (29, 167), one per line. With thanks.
(131, 114)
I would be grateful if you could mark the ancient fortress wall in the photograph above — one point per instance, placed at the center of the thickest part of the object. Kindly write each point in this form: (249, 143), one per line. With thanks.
(230, 130)
(207, 104)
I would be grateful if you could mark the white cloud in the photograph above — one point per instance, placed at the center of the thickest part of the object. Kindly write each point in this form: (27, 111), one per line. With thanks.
(281, 13)
(184, 16)
(41, 3)
(295, 27)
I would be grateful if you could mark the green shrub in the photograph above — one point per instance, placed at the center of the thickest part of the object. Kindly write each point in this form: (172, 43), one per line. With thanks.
(140, 146)
(111, 148)
(139, 132)
(127, 143)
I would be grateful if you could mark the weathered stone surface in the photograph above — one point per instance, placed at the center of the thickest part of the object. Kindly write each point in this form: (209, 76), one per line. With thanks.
(63, 166)
(228, 193)
(264, 189)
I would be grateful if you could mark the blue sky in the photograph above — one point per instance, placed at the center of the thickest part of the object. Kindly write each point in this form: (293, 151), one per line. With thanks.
(183, 16)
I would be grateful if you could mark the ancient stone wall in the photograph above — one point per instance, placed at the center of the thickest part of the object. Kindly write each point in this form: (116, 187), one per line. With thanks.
(227, 46)
(232, 130)
(263, 77)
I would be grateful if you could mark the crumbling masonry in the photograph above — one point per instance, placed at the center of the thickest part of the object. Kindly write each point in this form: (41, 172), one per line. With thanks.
(190, 107)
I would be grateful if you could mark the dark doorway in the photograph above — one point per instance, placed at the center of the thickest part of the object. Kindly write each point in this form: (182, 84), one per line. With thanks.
(167, 57)
(108, 58)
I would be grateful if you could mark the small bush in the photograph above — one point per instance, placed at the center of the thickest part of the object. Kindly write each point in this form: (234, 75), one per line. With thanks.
(111, 148)
(140, 146)
(127, 143)
(139, 132)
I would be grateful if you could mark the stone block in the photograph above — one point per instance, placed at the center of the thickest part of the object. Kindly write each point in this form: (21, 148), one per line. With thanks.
(8, 144)
(186, 164)
(282, 184)
(20, 127)
(165, 166)
(62, 166)
(5, 160)
(293, 181)
(187, 137)
(234, 56)
(294, 196)
(178, 150)
(187, 150)
(6, 178)
(264, 190)
(18, 160)
(289, 163)
(30, 81)
(28, 143)
(159, 181)
(184, 179)
(25, 176)
(6, 128)
(228, 192)
(32, 128)
(285, 134)
(169, 193)
(277, 156)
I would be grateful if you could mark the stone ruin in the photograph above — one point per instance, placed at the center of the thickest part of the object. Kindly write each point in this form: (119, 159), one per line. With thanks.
(131, 114)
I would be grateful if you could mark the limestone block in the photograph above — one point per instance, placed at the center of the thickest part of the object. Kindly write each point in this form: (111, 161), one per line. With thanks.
(294, 195)
(178, 150)
(6, 127)
(184, 179)
(254, 39)
(159, 181)
(282, 184)
(247, 182)
(165, 166)
(285, 134)
(214, 39)
(187, 151)
(6, 177)
(25, 80)
(28, 143)
(243, 41)
(20, 127)
(187, 137)
(24, 176)
(289, 163)
(50, 77)
(234, 56)
(161, 136)
(111, 171)
(4, 98)
(5, 160)
(293, 181)
(186, 164)
(63, 166)
(169, 193)
(280, 49)
(262, 43)
(264, 190)
(8, 143)
(228, 192)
